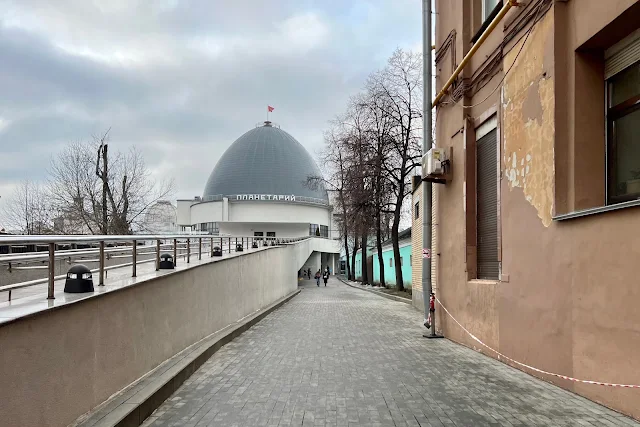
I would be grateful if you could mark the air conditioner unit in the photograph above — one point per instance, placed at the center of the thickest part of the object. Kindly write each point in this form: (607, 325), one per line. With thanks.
(432, 162)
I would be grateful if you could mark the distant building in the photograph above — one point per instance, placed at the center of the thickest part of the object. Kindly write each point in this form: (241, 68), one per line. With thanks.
(70, 220)
(161, 218)
(373, 264)
(70, 223)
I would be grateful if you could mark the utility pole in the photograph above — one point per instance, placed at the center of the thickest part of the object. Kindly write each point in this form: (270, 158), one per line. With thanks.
(427, 208)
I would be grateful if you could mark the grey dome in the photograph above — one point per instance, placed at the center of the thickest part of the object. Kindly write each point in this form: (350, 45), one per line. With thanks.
(265, 160)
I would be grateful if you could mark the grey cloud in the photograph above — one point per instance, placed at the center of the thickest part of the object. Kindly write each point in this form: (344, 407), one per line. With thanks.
(35, 72)
(182, 80)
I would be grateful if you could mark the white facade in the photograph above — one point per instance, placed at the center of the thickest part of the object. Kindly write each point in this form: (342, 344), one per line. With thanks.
(247, 217)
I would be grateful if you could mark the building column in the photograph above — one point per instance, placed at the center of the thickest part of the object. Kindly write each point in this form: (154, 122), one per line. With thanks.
(225, 209)
(333, 264)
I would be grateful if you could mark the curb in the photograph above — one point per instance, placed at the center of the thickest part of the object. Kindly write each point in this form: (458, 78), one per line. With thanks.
(132, 406)
(381, 294)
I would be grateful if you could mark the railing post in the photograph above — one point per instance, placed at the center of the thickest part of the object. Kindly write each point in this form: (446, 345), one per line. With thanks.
(101, 272)
(188, 250)
(157, 254)
(212, 247)
(134, 260)
(199, 248)
(52, 270)
(175, 252)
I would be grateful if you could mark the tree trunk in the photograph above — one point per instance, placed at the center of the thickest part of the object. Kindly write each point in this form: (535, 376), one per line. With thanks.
(379, 246)
(346, 249)
(365, 273)
(353, 258)
(105, 190)
(396, 247)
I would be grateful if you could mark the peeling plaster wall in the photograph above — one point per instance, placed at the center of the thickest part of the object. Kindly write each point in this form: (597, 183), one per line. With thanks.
(568, 292)
(528, 119)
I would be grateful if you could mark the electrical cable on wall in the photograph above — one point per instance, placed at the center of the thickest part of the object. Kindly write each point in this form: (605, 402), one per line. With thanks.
(529, 31)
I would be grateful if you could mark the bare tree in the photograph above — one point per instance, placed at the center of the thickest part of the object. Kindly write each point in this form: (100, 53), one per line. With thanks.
(379, 127)
(399, 86)
(378, 141)
(335, 179)
(101, 199)
(360, 181)
(28, 210)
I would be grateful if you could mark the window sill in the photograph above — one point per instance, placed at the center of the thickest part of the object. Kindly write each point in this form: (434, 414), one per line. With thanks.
(483, 282)
(598, 210)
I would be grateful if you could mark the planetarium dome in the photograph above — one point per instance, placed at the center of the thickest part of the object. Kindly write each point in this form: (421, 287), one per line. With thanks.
(265, 160)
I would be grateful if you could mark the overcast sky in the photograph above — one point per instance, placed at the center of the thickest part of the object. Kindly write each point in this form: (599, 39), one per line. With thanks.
(181, 80)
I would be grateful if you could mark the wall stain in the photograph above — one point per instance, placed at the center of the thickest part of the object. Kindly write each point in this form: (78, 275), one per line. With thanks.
(528, 120)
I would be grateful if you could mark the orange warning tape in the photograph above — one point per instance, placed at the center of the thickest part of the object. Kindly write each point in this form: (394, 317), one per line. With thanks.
(524, 365)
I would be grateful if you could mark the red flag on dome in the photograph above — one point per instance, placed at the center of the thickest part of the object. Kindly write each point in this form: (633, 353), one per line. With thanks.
(270, 108)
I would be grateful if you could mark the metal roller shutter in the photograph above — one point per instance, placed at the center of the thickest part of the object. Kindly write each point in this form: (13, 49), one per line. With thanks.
(487, 170)
(622, 55)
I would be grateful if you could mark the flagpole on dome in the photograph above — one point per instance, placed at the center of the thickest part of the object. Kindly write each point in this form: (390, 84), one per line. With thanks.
(269, 110)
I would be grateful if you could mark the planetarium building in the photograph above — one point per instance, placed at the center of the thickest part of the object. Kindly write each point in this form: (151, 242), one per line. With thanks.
(259, 188)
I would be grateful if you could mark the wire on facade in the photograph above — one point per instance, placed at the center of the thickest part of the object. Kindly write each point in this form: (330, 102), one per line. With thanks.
(529, 31)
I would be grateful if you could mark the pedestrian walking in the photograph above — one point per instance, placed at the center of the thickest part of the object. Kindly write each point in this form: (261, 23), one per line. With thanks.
(309, 273)
(325, 276)
(318, 275)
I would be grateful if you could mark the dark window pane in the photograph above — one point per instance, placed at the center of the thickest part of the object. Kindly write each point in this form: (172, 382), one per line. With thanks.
(626, 137)
(624, 85)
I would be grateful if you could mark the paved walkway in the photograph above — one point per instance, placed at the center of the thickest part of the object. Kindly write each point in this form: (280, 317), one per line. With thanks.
(338, 356)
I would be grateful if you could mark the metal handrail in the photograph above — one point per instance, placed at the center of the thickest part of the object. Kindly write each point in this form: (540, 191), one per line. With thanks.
(60, 254)
(180, 241)
(10, 239)
(65, 253)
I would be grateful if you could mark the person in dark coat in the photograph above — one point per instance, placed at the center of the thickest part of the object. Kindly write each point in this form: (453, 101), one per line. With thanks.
(325, 276)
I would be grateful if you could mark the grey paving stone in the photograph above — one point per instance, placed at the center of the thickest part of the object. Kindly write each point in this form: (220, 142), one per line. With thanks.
(337, 356)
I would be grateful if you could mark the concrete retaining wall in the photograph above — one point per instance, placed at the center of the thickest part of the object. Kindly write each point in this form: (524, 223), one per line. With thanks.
(59, 364)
